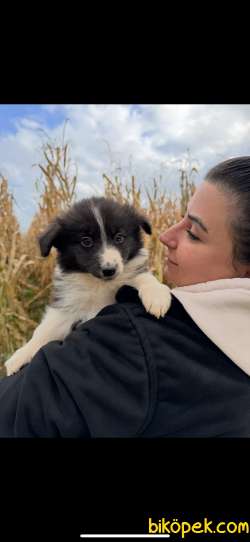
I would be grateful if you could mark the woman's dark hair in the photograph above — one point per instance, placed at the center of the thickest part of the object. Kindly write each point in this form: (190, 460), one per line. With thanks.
(233, 177)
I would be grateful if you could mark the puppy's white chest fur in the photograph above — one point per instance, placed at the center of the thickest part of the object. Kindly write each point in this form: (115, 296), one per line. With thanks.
(81, 295)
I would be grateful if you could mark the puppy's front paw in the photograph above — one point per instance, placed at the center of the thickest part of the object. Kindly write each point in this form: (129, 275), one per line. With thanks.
(20, 358)
(156, 298)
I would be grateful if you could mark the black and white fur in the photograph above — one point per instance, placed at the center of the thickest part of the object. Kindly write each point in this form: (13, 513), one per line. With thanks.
(100, 249)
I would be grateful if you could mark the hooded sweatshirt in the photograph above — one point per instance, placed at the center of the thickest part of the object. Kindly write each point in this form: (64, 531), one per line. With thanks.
(221, 309)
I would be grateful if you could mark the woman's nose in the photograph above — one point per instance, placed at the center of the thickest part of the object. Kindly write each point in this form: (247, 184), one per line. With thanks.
(168, 238)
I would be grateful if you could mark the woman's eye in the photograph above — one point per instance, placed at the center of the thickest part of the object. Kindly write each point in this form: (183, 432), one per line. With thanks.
(119, 238)
(87, 242)
(192, 236)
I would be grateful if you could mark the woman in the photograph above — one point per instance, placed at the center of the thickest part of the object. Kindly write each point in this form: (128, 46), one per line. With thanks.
(127, 374)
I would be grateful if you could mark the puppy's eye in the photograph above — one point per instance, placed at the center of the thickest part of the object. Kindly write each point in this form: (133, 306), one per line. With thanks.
(87, 242)
(119, 238)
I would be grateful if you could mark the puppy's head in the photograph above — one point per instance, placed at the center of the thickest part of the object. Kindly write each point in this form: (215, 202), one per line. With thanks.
(97, 236)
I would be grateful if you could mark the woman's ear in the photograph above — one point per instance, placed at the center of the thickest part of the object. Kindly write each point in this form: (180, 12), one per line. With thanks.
(48, 238)
(247, 273)
(244, 271)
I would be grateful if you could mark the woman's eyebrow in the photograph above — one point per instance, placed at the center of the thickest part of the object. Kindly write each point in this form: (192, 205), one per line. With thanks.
(198, 221)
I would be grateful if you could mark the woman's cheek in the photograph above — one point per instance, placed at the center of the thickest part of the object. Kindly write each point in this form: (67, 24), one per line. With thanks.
(184, 254)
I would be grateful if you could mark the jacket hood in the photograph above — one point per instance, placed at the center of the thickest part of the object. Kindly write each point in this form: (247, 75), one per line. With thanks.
(221, 309)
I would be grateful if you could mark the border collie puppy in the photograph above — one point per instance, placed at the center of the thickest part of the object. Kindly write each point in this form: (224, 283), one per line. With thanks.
(99, 249)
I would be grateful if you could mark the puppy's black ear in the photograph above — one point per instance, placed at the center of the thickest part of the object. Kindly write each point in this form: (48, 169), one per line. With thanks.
(48, 238)
(145, 224)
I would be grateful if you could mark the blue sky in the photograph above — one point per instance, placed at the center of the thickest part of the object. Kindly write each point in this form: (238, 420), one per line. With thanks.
(12, 113)
(148, 141)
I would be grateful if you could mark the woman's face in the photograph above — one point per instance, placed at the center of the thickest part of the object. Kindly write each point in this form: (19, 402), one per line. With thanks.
(200, 245)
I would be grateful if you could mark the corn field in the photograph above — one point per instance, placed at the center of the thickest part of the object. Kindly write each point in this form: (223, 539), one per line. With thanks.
(25, 277)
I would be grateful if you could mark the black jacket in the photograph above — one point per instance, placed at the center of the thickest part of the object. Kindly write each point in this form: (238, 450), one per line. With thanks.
(126, 374)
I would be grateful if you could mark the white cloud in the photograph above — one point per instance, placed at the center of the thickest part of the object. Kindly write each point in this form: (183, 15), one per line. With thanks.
(146, 141)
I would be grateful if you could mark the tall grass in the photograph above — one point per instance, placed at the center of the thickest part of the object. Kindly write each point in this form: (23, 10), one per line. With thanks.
(25, 277)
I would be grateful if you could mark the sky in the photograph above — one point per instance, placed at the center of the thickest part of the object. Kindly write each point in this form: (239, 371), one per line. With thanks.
(147, 141)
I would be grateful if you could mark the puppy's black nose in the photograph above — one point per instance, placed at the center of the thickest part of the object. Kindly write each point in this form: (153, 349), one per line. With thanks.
(108, 271)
